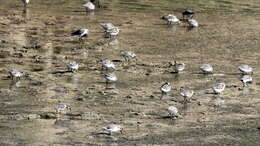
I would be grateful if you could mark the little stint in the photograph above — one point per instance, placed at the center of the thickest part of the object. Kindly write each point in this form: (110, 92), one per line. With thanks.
(220, 87)
(206, 68)
(113, 128)
(173, 111)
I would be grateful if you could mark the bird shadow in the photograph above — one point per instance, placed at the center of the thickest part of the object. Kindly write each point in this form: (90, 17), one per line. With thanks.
(163, 24)
(117, 60)
(79, 11)
(164, 117)
(60, 72)
(171, 72)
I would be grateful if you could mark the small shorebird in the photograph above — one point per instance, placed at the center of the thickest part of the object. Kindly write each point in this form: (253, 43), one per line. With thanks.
(25, 2)
(112, 32)
(220, 87)
(62, 107)
(80, 33)
(245, 69)
(171, 19)
(107, 64)
(128, 55)
(15, 74)
(193, 23)
(107, 26)
(173, 111)
(89, 6)
(206, 68)
(72, 66)
(187, 94)
(113, 129)
(165, 88)
(187, 14)
(246, 79)
(178, 66)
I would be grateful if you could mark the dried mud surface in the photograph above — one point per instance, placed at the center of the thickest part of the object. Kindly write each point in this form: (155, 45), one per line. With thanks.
(38, 42)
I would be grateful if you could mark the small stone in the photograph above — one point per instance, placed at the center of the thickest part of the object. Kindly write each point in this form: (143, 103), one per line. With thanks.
(80, 98)
(129, 96)
(18, 55)
(48, 116)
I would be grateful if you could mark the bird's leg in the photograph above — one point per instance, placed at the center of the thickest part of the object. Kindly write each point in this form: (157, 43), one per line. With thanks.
(99, 5)
(106, 84)
(24, 10)
(162, 94)
(185, 100)
(124, 63)
(135, 59)
(128, 61)
(244, 84)
(80, 39)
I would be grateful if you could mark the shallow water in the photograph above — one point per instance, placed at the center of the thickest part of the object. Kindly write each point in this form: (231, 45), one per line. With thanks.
(38, 43)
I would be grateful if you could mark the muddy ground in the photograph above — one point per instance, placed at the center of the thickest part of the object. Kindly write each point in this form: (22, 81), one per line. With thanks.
(37, 41)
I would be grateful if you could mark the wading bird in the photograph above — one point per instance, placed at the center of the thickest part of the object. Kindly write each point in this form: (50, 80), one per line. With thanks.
(187, 14)
(170, 19)
(89, 6)
(245, 69)
(15, 74)
(178, 66)
(220, 87)
(113, 129)
(72, 66)
(107, 64)
(206, 68)
(165, 88)
(246, 79)
(112, 32)
(173, 111)
(80, 33)
(186, 94)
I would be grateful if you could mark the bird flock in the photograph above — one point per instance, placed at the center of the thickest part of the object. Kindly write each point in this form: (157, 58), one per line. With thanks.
(109, 67)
